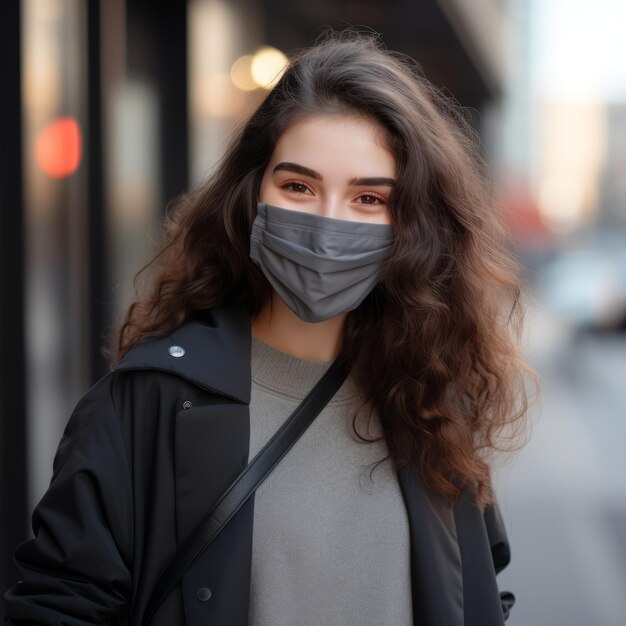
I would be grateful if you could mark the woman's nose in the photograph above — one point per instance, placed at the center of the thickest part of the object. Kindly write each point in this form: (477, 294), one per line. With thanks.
(330, 207)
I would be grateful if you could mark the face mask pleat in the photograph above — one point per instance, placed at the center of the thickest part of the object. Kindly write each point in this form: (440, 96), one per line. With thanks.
(333, 258)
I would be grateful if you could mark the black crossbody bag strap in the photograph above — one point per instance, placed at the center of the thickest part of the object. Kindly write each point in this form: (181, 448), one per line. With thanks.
(246, 483)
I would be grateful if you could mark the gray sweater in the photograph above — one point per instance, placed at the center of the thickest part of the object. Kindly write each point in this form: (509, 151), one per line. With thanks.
(330, 544)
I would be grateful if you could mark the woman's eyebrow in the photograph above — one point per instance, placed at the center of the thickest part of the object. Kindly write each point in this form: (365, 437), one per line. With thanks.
(372, 181)
(298, 169)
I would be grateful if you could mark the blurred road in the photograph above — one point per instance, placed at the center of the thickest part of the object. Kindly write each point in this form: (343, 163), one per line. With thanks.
(563, 496)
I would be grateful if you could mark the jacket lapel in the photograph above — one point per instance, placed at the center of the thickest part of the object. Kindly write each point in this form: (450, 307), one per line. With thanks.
(482, 556)
(210, 451)
(436, 568)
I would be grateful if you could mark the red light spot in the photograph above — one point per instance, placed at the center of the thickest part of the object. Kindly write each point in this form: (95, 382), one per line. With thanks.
(58, 148)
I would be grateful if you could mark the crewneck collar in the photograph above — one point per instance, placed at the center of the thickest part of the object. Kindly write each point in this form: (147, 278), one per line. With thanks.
(291, 376)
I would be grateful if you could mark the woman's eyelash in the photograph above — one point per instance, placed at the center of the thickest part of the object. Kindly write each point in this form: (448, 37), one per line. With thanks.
(373, 195)
(293, 183)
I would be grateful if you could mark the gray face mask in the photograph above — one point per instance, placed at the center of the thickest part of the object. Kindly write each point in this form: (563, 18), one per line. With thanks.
(319, 266)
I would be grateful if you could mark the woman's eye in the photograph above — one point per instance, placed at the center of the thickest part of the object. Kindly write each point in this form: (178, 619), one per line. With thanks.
(368, 198)
(297, 187)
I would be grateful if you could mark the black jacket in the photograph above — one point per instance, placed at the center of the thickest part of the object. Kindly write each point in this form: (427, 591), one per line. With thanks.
(146, 452)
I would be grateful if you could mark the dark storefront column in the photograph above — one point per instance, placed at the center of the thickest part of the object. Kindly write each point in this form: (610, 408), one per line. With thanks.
(98, 285)
(156, 40)
(13, 514)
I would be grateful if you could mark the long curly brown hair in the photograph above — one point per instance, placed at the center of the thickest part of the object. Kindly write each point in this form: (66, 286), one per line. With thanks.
(434, 345)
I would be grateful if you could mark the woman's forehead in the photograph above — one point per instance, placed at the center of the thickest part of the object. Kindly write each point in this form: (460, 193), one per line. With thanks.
(337, 144)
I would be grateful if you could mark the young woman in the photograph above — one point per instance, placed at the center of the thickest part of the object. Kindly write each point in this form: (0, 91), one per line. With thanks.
(349, 218)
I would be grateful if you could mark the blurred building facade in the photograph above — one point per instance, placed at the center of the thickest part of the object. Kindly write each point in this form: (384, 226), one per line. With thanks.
(612, 201)
(109, 111)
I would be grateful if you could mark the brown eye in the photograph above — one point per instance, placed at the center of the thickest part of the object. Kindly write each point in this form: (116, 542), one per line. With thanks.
(296, 187)
(368, 198)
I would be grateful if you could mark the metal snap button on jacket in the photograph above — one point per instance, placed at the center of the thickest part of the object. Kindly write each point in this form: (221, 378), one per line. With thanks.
(203, 594)
(177, 351)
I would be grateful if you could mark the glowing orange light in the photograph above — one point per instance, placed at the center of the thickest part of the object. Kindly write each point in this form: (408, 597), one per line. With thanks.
(58, 148)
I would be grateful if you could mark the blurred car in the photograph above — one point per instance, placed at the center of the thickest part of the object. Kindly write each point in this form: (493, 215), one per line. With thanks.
(586, 286)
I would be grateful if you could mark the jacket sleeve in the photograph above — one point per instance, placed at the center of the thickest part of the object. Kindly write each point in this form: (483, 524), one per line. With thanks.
(500, 551)
(77, 569)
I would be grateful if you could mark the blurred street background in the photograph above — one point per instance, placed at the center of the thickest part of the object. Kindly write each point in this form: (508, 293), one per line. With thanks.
(111, 108)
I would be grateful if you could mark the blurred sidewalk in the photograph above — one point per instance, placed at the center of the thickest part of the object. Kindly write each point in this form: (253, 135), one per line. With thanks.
(563, 496)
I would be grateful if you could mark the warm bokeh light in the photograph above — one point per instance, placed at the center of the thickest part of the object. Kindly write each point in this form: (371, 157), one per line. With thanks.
(241, 73)
(267, 66)
(217, 97)
(573, 147)
(58, 148)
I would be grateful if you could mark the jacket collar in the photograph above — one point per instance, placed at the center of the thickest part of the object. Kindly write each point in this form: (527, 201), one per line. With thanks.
(215, 352)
